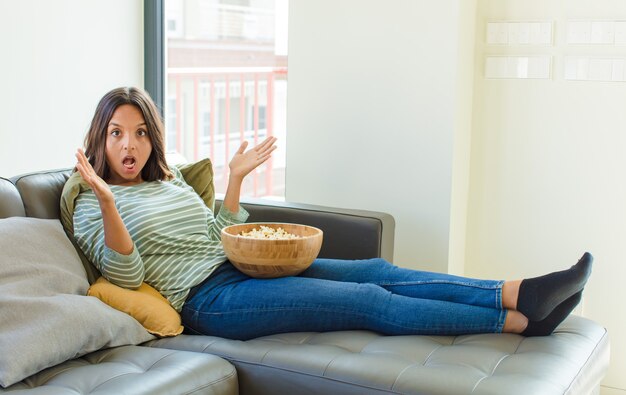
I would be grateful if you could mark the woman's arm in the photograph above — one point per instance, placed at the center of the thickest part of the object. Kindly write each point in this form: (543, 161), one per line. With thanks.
(116, 236)
(126, 271)
(106, 240)
(241, 165)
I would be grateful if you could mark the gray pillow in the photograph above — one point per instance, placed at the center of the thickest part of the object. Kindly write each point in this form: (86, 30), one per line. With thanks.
(45, 317)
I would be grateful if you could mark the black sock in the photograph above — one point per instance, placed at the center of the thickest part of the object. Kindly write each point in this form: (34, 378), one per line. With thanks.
(549, 324)
(538, 296)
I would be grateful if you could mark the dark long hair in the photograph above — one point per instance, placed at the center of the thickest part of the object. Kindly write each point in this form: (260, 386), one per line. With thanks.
(95, 140)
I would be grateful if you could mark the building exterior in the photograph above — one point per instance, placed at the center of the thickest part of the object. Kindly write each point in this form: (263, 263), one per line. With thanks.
(226, 82)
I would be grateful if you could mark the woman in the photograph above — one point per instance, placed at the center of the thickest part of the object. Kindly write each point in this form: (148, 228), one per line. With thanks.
(140, 222)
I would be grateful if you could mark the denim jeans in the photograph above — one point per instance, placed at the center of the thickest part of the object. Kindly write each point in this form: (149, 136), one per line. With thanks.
(334, 295)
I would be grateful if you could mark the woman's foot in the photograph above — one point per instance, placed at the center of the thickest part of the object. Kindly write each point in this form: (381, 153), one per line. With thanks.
(539, 296)
(546, 326)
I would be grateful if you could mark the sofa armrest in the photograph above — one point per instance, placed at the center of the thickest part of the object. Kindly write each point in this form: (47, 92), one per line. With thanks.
(348, 234)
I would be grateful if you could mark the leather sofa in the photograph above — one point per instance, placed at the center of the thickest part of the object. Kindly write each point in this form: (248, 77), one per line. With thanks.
(571, 361)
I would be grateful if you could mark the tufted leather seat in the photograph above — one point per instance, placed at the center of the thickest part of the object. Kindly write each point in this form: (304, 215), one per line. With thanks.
(573, 360)
(134, 370)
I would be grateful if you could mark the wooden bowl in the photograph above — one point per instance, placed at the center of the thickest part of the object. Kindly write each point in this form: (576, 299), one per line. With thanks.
(269, 258)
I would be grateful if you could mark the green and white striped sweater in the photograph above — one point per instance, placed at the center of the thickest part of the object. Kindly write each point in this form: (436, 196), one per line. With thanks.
(176, 236)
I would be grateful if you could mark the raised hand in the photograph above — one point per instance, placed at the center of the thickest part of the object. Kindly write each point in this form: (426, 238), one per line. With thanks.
(241, 165)
(244, 162)
(100, 187)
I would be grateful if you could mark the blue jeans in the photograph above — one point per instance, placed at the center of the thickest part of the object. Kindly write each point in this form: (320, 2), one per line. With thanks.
(334, 295)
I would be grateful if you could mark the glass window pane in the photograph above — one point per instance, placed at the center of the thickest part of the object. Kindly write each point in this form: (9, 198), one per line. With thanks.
(226, 82)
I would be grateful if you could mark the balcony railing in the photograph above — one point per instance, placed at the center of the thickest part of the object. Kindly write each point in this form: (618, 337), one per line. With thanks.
(212, 110)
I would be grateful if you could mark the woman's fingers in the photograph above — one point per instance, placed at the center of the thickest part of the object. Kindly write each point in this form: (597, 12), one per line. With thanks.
(265, 149)
(80, 155)
(265, 155)
(87, 175)
(82, 158)
(100, 188)
(262, 147)
(79, 167)
(85, 169)
(83, 173)
(265, 144)
(245, 161)
(242, 147)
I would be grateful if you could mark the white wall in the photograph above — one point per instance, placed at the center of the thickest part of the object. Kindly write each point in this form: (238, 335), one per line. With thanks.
(58, 59)
(462, 137)
(548, 168)
(380, 97)
(372, 108)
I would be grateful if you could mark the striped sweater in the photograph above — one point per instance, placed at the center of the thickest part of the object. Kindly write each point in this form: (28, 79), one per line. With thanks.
(176, 237)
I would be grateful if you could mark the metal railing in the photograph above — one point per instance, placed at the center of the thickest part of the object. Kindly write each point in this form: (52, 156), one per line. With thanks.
(200, 93)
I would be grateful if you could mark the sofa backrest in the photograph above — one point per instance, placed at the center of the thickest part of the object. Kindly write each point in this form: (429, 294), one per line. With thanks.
(38, 195)
(41, 192)
(11, 204)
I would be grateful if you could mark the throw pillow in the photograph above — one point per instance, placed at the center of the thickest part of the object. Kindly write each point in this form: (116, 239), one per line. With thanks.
(45, 317)
(144, 304)
(199, 175)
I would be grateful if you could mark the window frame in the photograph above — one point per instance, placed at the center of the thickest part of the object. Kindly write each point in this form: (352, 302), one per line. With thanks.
(154, 51)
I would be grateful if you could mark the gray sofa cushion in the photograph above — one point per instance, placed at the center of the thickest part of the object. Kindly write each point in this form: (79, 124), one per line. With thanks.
(571, 361)
(11, 201)
(45, 318)
(134, 370)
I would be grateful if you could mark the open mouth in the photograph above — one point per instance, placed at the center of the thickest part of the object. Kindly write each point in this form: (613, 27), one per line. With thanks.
(129, 162)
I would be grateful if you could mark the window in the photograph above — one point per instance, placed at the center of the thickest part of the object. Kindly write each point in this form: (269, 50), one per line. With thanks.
(170, 124)
(225, 80)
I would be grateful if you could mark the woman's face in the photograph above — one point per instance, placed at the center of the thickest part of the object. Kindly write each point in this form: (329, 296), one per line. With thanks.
(128, 146)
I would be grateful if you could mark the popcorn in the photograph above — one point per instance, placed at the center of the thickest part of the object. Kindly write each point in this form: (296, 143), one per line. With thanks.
(269, 233)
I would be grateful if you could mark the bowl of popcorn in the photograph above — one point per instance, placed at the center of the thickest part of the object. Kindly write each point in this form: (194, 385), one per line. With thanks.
(268, 250)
